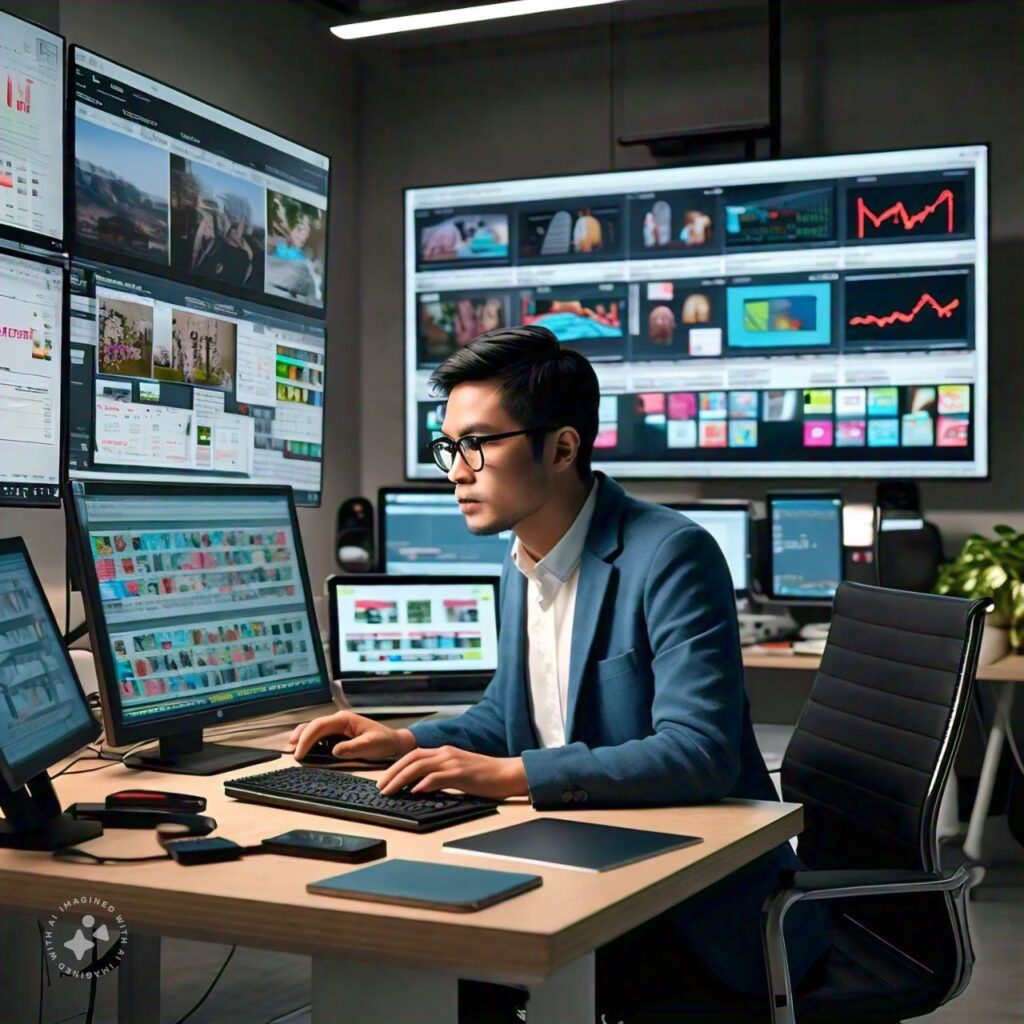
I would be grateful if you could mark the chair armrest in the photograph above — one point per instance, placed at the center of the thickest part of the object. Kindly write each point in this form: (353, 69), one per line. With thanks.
(830, 885)
(825, 885)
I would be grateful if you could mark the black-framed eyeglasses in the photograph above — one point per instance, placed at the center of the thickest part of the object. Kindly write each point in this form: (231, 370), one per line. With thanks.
(471, 447)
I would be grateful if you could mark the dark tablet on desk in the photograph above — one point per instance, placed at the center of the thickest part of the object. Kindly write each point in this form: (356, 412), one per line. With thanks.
(572, 844)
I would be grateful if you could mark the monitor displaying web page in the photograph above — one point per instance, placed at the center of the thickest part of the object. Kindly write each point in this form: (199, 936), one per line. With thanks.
(730, 526)
(31, 134)
(199, 603)
(171, 382)
(168, 183)
(814, 317)
(806, 546)
(43, 713)
(424, 533)
(31, 355)
(388, 627)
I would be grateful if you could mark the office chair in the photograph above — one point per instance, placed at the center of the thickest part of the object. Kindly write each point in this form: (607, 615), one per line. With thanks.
(870, 755)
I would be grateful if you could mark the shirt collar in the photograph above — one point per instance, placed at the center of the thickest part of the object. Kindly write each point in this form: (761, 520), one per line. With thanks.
(551, 571)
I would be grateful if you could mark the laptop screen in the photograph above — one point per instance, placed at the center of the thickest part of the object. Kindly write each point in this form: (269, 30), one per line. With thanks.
(388, 627)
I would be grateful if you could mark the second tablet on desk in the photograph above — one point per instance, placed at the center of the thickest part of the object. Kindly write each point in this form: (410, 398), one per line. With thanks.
(413, 883)
(572, 844)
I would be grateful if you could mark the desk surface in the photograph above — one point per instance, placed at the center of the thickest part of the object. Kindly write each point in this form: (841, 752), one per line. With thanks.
(261, 900)
(1009, 669)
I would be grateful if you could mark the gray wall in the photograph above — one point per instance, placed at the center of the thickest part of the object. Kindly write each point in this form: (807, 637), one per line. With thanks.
(275, 64)
(856, 75)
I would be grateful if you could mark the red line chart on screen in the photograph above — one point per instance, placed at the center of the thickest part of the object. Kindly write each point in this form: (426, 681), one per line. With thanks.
(897, 316)
(898, 213)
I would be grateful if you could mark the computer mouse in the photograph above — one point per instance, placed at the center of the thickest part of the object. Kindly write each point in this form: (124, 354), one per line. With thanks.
(319, 756)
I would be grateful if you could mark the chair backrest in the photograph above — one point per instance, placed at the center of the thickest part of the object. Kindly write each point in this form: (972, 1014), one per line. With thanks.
(875, 744)
(876, 739)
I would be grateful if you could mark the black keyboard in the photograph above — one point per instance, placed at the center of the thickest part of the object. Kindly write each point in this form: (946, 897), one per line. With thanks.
(343, 795)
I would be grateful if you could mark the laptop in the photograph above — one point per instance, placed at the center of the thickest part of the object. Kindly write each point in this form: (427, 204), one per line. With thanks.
(413, 641)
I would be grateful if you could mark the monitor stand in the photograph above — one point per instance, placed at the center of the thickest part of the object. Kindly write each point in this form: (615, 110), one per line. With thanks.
(33, 819)
(186, 754)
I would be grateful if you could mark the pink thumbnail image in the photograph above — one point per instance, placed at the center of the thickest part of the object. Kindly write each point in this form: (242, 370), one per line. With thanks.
(607, 437)
(653, 402)
(105, 569)
(713, 434)
(817, 433)
(682, 406)
(952, 432)
(154, 687)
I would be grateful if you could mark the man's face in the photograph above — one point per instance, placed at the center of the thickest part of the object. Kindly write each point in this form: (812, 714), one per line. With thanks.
(512, 484)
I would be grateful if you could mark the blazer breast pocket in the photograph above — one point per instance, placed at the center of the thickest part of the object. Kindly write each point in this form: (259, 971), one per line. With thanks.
(621, 664)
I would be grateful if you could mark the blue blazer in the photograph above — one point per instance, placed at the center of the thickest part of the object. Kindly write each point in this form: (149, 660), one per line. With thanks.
(657, 712)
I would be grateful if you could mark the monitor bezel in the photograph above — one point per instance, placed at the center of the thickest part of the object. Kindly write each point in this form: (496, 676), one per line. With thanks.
(72, 741)
(412, 472)
(381, 579)
(61, 264)
(746, 508)
(771, 497)
(119, 732)
(85, 250)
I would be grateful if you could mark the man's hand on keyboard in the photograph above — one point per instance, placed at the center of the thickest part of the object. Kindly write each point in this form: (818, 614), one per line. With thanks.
(427, 769)
(368, 740)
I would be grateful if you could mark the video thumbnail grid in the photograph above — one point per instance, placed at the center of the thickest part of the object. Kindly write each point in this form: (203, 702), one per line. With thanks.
(934, 420)
(208, 659)
(389, 632)
(32, 670)
(713, 318)
(221, 566)
(707, 220)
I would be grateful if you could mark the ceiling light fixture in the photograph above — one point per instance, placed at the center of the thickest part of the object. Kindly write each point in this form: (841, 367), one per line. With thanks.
(459, 16)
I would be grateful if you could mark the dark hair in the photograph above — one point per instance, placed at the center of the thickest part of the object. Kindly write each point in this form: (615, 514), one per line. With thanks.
(541, 383)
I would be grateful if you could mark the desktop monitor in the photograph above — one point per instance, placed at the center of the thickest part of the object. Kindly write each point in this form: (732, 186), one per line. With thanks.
(43, 713)
(816, 317)
(166, 183)
(32, 311)
(176, 383)
(399, 634)
(729, 523)
(200, 613)
(31, 135)
(423, 532)
(806, 537)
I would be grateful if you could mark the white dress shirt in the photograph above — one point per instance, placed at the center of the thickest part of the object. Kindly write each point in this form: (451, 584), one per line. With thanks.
(550, 607)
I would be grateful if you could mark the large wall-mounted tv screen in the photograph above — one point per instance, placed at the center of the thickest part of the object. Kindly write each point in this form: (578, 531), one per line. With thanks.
(818, 317)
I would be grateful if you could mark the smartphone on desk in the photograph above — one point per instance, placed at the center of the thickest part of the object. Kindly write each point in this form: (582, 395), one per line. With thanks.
(306, 842)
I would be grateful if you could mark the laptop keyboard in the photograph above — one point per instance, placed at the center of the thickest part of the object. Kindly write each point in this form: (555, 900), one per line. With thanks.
(353, 797)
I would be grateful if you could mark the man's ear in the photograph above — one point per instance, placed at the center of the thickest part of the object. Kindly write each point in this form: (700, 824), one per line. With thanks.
(567, 446)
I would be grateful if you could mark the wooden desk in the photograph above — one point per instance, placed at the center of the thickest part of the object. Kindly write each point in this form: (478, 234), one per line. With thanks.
(1003, 676)
(373, 963)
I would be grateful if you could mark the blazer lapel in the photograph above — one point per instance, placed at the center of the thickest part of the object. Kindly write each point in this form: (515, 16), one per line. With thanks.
(595, 575)
(513, 652)
(604, 540)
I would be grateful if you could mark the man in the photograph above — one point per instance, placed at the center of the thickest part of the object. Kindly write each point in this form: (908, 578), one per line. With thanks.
(628, 690)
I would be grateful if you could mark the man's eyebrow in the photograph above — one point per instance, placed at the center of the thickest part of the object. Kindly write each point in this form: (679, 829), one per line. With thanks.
(476, 428)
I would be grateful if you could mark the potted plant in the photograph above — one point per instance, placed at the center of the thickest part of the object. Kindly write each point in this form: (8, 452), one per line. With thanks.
(991, 567)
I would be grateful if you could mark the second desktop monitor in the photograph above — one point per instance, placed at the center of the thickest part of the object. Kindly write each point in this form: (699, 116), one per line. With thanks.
(200, 613)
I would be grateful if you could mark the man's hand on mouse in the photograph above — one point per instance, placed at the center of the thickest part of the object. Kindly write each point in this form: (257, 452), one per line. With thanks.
(424, 770)
(368, 740)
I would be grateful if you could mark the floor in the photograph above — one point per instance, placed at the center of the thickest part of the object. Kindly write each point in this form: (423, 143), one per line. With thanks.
(259, 987)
